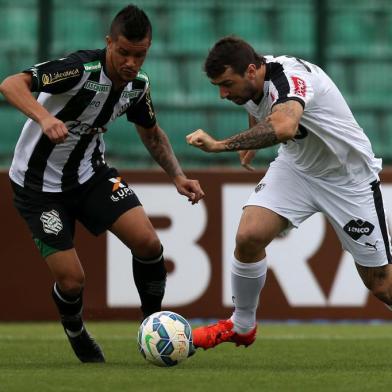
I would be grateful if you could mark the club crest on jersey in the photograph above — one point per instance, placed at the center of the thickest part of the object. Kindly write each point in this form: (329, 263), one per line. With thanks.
(299, 86)
(259, 187)
(119, 190)
(51, 222)
(357, 228)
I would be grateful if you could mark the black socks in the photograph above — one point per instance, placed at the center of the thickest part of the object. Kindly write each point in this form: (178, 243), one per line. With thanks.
(150, 280)
(70, 309)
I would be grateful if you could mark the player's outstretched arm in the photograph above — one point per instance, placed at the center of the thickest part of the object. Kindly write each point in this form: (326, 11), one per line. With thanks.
(158, 144)
(281, 125)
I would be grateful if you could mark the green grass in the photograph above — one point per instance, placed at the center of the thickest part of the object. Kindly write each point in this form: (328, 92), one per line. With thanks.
(305, 357)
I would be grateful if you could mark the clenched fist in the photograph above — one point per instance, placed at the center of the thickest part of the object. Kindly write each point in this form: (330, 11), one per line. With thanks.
(204, 141)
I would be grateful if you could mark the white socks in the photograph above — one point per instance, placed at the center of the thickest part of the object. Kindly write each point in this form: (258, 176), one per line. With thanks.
(247, 280)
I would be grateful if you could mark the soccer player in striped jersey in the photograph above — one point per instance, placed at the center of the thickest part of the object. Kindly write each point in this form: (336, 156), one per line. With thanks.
(325, 164)
(59, 175)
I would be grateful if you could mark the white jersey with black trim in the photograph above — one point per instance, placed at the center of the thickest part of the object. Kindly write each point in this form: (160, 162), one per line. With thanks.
(329, 142)
(77, 91)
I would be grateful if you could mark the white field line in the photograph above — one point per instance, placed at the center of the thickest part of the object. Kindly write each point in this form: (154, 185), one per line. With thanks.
(260, 337)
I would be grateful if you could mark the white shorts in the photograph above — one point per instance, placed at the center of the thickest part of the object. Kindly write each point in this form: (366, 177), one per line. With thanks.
(355, 210)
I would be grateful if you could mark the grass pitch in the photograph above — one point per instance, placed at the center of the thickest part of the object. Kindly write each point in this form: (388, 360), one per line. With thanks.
(36, 357)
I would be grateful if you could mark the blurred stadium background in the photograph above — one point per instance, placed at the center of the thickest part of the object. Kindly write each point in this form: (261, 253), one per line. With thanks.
(351, 39)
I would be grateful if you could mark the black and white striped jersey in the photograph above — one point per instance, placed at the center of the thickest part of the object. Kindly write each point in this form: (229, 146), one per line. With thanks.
(76, 90)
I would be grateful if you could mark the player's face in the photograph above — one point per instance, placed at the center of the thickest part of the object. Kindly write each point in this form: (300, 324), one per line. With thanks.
(125, 58)
(235, 87)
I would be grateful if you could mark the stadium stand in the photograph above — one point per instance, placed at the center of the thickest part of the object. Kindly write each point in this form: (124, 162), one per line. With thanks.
(358, 56)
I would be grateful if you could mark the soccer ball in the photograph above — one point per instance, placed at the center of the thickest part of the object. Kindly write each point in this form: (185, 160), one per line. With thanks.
(165, 339)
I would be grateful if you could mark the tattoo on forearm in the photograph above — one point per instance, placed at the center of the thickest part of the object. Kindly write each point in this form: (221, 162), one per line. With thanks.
(160, 149)
(261, 135)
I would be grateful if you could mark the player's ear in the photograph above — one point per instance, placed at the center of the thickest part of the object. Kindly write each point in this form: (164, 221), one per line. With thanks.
(108, 40)
(251, 71)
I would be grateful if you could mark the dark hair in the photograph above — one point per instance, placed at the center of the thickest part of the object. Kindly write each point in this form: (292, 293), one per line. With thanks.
(131, 22)
(231, 52)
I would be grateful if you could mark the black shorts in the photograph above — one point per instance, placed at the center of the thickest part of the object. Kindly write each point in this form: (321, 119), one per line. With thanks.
(97, 204)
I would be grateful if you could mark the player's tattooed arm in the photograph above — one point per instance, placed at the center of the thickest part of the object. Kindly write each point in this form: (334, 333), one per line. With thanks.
(158, 144)
(279, 126)
(260, 135)
(159, 147)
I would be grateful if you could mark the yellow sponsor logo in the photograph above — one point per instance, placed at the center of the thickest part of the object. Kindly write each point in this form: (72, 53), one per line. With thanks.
(50, 78)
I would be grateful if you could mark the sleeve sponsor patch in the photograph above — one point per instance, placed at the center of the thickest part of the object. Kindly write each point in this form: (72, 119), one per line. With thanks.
(55, 77)
(93, 66)
(299, 86)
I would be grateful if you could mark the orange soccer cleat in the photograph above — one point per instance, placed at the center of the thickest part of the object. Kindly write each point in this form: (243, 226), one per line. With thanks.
(212, 335)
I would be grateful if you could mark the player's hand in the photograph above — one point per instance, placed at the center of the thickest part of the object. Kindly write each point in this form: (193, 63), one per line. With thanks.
(54, 129)
(204, 141)
(246, 157)
(189, 188)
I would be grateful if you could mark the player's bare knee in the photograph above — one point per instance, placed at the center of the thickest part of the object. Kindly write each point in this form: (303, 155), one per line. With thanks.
(248, 244)
(383, 292)
(378, 280)
(149, 247)
(71, 285)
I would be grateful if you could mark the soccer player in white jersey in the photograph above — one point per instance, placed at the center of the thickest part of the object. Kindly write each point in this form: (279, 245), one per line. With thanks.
(59, 174)
(325, 164)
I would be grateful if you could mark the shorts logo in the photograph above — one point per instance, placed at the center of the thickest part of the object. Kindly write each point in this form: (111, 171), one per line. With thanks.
(374, 246)
(51, 222)
(357, 228)
(120, 191)
(117, 183)
(259, 187)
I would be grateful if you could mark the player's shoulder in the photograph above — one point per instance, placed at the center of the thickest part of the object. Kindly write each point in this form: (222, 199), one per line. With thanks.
(89, 60)
(142, 80)
(286, 66)
(287, 62)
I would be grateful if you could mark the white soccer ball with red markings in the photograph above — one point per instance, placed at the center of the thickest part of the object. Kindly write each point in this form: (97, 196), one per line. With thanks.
(165, 339)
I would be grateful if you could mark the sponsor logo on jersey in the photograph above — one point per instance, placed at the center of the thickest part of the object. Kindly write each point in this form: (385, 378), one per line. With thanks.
(51, 222)
(357, 228)
(119, 191)
(299, 86)
(121, 111)
(94, 86)
(51, 78)
(94, 66)
(78, 128)
(260, 186)
(131, 94)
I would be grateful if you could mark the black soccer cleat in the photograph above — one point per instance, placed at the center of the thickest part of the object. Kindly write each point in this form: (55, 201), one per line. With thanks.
(85, 347)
